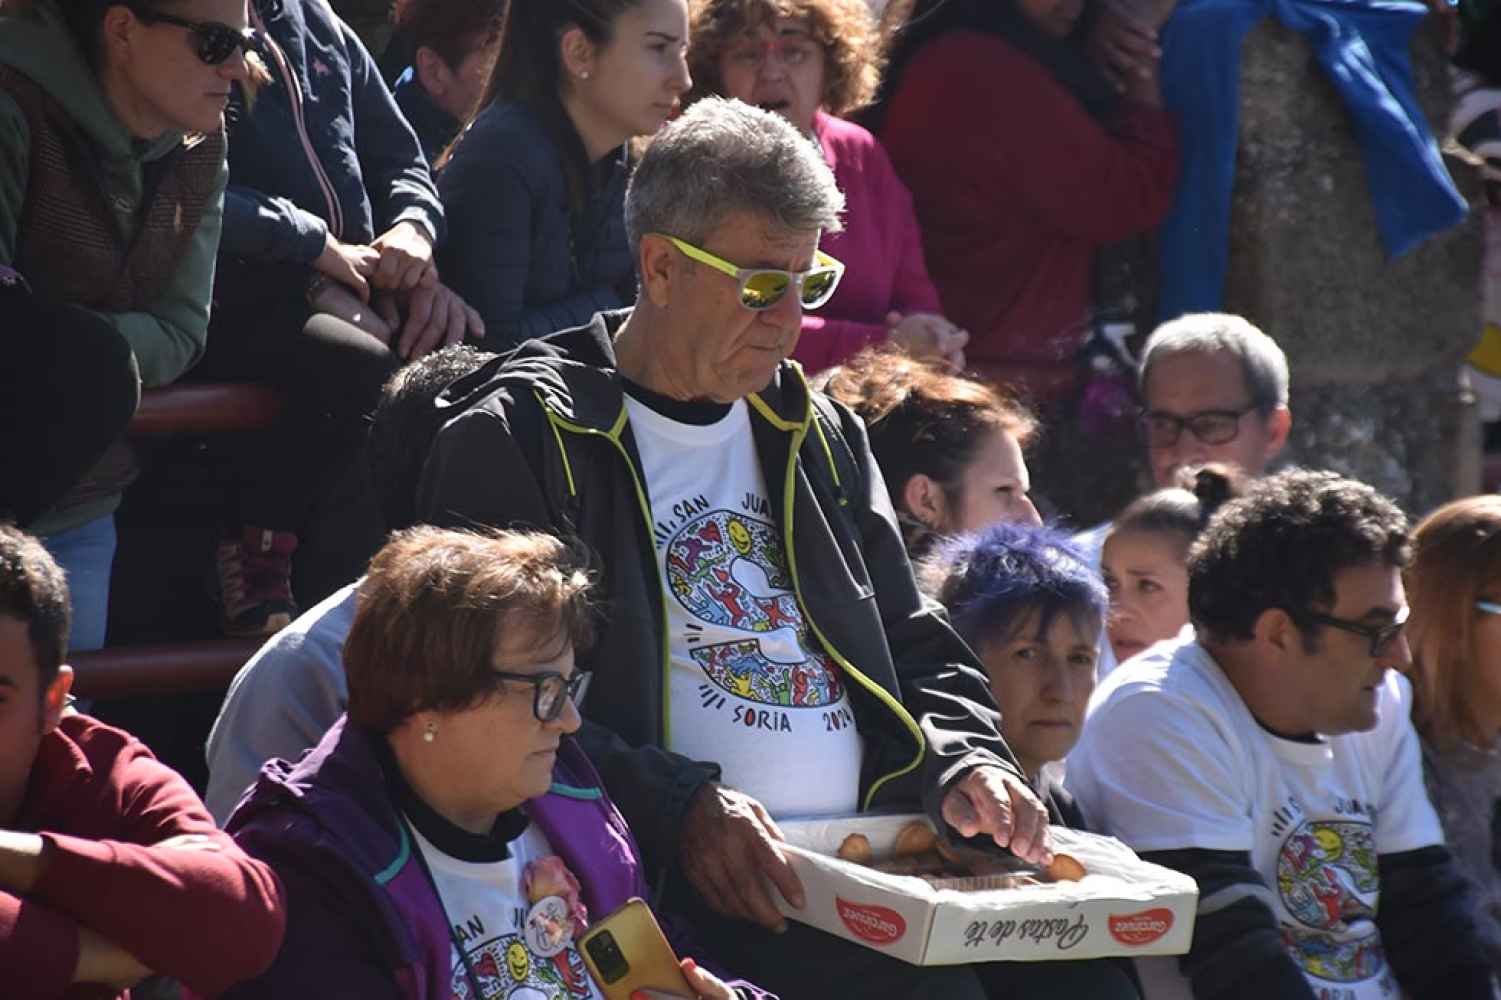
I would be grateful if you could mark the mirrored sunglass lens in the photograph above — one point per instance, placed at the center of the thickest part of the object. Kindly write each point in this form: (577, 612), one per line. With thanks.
(818, 286)
(764, 289)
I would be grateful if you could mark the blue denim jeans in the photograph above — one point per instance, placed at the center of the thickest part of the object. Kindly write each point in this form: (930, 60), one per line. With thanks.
(86, 554)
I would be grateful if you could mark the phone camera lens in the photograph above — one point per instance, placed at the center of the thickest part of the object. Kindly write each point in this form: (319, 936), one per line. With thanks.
(608, 957)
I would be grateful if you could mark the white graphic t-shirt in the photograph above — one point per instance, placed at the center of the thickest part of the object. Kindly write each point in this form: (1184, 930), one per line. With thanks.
(751, 688)
(1170, 759)
(515, 919)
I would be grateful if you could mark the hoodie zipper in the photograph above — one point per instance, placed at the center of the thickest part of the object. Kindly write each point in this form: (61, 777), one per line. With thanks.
(799, 432)
(335, 216)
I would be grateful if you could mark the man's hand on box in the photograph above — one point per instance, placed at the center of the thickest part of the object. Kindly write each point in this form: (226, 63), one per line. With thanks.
(729, 842)
(991, 800)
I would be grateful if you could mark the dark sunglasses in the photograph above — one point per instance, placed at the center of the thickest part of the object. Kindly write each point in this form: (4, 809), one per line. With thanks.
(1380, 636)
(216, 41)
(550, 690)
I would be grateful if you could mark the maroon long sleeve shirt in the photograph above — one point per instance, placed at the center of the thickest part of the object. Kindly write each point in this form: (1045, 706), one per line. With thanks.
(209, 918)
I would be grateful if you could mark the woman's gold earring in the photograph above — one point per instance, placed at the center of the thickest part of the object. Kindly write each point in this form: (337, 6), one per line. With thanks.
(430, 733)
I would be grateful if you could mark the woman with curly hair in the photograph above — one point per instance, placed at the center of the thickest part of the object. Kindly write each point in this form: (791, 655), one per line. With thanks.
(814, 61)
(949, 447)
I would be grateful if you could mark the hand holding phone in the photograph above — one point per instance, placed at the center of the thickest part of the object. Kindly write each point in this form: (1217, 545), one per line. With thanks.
(706, 986)
(626, 952)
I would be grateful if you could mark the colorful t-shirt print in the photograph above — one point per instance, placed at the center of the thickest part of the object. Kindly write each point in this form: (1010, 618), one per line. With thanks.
(517, 921)
(751, 687)
(1314, 815)
(1327, 883)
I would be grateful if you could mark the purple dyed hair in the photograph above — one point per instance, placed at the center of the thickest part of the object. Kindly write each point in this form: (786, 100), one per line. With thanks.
(991, 581)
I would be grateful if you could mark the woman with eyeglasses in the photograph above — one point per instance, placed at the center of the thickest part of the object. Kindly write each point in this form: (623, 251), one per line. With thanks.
(1023, 160)
(814, 62)
(447, 837)
(535, 188)
(111, 195)
(1454, 589)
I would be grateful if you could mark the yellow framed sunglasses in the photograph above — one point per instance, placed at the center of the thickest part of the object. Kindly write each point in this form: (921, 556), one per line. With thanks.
(763, 287)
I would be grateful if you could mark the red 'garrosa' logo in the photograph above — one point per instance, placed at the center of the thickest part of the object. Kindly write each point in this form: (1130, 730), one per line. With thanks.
(1137, 929)
(876, 924)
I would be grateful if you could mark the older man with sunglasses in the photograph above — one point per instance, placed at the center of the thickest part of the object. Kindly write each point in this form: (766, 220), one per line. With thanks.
(764, 651)
(1271, 756)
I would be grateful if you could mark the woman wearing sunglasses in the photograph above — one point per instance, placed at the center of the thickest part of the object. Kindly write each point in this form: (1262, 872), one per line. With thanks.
(448, 838)
(812, 62)
(111, 196)
(535, 189)
(1454, 590)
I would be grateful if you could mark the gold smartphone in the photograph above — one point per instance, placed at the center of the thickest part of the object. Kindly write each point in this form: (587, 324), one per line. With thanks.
(627, 951)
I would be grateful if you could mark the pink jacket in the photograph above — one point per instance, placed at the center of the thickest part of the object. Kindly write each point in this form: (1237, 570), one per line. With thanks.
(880, 247)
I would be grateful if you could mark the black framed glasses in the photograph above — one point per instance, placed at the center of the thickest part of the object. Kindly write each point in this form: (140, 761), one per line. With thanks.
(550, 690)
(215, 40)
(1379, 636)
(1162, 429)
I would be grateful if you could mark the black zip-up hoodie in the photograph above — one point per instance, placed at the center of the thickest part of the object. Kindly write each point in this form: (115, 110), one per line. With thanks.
(540, 439)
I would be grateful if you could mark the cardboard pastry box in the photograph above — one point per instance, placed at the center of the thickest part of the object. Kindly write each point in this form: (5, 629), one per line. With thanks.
(1123, 907)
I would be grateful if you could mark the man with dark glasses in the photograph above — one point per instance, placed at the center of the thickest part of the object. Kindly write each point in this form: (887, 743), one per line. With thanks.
(1271, 756)
(764, 652)
(1213, 389)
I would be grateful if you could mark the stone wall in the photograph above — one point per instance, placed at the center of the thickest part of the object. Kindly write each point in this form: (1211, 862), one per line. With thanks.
(1374, 345)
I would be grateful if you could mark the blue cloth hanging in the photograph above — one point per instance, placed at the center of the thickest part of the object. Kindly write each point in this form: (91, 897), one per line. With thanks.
(1363, 46)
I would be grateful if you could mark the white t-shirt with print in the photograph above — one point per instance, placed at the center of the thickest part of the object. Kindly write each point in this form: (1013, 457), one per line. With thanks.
(1171, 759)
(519, 949)
(750, 688)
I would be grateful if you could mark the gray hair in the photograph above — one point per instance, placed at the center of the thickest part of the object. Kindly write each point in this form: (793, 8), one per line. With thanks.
(1262, 362)
(722, 157)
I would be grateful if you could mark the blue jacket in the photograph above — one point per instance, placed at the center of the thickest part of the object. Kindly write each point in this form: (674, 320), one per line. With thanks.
(1364, 47)
(276, 211)
(513, 251)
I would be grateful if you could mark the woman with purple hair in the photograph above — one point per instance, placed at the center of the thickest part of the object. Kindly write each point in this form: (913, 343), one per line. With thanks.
(1031, 607)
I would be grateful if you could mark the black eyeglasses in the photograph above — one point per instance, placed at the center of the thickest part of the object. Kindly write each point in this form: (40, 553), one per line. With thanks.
(1380, 636)
(1162, 429)
(550, 690)
(216, 41)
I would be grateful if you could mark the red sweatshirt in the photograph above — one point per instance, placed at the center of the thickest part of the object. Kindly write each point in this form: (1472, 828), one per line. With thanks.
(209, 918)
(1016, 185)
(880, 246)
